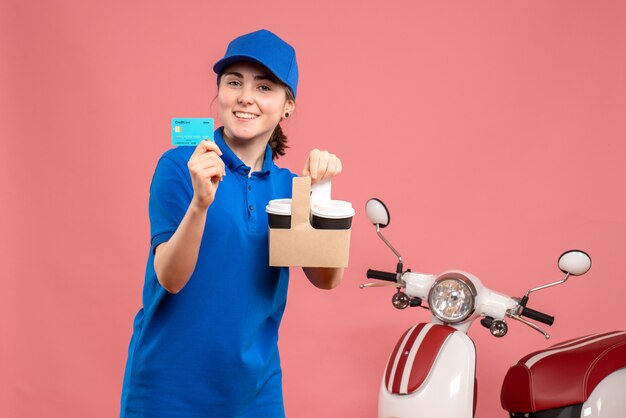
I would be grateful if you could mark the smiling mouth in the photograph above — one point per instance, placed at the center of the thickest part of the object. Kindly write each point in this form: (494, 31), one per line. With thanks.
(245, 115)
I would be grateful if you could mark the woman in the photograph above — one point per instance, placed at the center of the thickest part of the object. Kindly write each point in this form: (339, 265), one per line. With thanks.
(205, 342)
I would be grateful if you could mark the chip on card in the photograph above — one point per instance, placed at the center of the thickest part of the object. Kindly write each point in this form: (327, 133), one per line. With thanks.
(191, 131)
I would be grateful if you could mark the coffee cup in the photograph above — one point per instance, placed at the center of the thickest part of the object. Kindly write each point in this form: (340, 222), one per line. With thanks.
(279, 213)
(331, 214)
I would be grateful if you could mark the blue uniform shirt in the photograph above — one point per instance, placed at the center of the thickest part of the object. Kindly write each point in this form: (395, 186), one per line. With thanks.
(211, 350)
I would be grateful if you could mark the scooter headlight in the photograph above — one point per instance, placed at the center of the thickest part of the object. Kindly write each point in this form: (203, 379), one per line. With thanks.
(452, 298)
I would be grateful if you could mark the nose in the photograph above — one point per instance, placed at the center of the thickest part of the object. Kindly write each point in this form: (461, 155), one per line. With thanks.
(244, 98)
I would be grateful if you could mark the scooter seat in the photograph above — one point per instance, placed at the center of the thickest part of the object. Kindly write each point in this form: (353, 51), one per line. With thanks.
(564, 374)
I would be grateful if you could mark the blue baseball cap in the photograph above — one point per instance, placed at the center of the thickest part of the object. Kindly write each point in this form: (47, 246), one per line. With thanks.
(267, 49)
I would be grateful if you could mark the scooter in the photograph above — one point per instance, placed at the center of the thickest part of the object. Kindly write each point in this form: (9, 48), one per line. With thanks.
(432, 369)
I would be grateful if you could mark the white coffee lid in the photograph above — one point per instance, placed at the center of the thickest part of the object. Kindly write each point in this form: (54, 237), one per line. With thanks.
(279, 207)
(333, 209)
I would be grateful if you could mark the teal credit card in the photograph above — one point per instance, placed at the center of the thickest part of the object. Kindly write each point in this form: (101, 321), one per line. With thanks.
(191, 131)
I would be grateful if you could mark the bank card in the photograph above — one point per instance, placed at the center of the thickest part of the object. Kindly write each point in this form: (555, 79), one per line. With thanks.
(191, 131)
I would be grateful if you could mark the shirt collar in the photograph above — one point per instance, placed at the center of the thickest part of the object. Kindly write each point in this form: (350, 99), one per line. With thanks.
(234, 163)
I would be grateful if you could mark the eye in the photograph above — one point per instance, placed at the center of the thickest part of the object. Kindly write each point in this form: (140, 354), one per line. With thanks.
(265, 87)
(234, 83)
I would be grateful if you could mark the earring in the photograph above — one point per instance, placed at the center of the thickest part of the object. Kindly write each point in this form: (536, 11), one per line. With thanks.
(286, 115)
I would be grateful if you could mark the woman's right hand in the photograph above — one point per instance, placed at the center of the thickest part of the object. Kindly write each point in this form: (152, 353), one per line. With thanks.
(206, 169)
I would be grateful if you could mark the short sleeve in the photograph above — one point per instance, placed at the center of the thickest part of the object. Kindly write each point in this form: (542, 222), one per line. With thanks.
(171, 192)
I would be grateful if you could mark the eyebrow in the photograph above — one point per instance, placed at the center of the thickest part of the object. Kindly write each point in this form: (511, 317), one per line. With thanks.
(256, 77)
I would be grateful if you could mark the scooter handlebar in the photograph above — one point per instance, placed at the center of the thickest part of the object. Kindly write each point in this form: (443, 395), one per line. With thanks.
(538, 316)
(381, 275)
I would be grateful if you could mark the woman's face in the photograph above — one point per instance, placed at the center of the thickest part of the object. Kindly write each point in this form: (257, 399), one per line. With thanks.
(251, 102)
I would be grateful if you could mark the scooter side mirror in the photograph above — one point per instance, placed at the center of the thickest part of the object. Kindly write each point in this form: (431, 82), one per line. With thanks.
(378, 215)
(574, 262)
(377, 212)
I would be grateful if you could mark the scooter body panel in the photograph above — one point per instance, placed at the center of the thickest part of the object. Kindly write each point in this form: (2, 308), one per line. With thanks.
(447, 390)
(608, 399)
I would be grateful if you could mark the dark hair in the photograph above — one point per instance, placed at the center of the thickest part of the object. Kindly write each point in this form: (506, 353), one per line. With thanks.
(278, 140)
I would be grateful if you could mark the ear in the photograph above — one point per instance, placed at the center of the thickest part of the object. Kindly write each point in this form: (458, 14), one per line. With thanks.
(290, 107)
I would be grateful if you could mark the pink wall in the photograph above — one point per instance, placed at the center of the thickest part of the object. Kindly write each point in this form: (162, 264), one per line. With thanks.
(495, 132)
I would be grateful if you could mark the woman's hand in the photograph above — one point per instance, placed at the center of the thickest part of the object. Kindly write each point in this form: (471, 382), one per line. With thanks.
(321, 165)
(206, 169)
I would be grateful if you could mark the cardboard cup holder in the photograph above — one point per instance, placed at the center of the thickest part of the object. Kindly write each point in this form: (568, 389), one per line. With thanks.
(309, 230)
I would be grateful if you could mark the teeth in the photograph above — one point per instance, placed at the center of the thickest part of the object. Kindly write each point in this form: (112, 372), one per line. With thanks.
(245, 115)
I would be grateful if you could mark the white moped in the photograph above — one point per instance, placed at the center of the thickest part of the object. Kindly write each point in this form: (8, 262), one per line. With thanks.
(431, 370)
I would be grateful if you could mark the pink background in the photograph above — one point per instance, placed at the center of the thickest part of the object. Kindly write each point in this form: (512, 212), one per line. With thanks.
(493, 130)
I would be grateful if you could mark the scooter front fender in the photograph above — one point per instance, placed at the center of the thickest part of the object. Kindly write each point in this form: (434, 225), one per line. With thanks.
(431, 373)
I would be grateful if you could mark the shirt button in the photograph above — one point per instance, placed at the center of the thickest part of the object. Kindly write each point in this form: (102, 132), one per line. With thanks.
(251, 207)
(249, 187)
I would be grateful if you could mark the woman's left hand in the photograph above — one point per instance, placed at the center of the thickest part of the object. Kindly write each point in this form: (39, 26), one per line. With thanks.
(321, 165)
